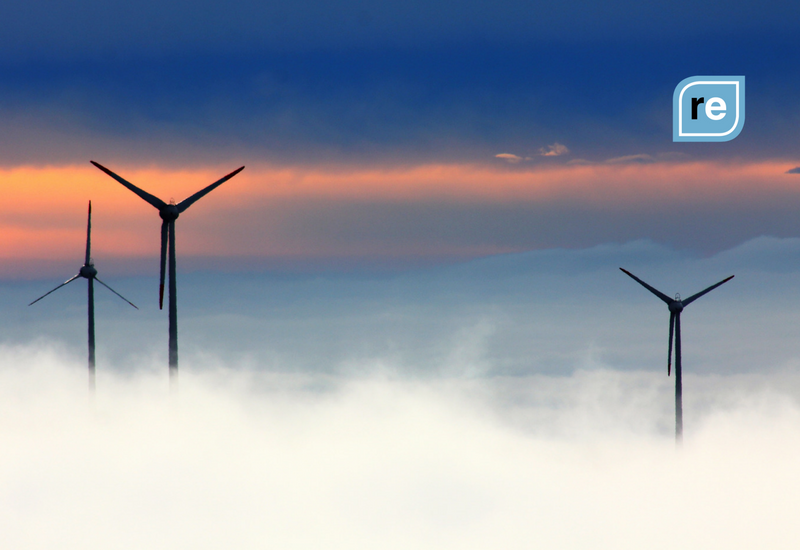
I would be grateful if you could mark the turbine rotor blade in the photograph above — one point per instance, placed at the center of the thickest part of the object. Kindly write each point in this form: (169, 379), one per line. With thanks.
(677, 338)
(115, 292)
(186, 203)
(151, 199)
(694, 297)
(164, 230)
(658, 293)
(89, 236)
(671, 332)
(56, 288)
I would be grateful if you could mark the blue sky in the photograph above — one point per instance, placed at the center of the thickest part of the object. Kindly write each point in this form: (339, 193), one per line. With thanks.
(396, 83)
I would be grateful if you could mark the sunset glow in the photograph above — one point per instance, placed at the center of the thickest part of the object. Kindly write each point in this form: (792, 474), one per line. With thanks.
(45, 208)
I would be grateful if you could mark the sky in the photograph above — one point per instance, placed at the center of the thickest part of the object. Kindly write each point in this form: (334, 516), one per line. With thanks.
(403, 324)
(371, 133)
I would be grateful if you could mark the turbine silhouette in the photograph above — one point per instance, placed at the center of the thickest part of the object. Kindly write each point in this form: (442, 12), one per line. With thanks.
(89, 273)
(676, 306)
(169, 212)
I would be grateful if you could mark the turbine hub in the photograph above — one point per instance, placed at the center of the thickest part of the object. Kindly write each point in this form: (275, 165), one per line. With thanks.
(676, 306)
(169, 213)
(88, 272)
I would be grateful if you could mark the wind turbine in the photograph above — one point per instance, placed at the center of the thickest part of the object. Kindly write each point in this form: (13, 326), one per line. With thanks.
(676, 306)
(169, 212)
(89, 273)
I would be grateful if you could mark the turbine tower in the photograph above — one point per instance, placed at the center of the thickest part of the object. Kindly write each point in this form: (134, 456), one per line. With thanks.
(89, 273)
(676, 306)
(169, 212)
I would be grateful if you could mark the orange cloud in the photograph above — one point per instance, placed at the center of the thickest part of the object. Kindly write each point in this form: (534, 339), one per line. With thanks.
(591, 183)
(28, 190)
(43, 214)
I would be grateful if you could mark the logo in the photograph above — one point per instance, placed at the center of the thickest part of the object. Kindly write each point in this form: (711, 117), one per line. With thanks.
(708, 108)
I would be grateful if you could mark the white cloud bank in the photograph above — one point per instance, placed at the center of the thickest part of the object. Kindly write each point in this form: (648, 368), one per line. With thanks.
(263, 460)
(513, 402)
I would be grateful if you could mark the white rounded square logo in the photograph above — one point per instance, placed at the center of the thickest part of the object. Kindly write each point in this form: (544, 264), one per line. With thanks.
(708, 108)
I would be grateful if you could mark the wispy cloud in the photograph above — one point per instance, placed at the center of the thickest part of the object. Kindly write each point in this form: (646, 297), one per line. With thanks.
(555, 150)
(795, 170)
(673, 156)
(508, 157)
(632, 159)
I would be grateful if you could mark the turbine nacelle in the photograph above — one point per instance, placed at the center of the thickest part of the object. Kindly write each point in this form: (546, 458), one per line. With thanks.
(169, 212)
(88, 271)
(676, 306)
